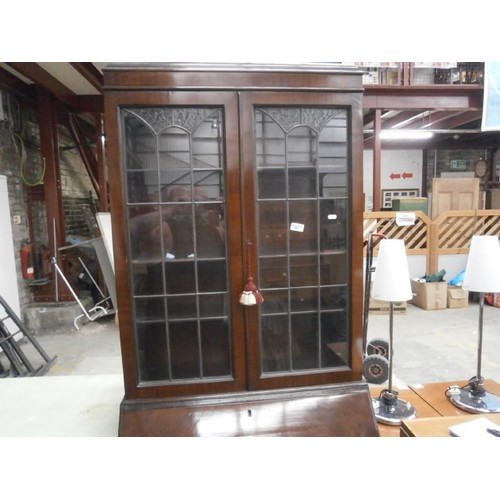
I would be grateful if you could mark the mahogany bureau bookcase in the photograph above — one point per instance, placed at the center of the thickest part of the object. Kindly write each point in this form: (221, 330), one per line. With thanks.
(222, 176)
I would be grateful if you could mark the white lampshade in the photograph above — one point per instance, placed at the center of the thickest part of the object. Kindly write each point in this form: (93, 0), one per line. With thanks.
(482, 273)
(391, 280)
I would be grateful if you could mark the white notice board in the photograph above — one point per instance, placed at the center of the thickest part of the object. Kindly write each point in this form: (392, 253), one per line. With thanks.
(8, 284)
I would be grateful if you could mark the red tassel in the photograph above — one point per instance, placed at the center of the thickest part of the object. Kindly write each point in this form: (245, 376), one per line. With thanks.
(250, 295)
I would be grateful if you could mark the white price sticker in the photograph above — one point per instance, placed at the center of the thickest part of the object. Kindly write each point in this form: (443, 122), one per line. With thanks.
(297, 226)
(405, 219)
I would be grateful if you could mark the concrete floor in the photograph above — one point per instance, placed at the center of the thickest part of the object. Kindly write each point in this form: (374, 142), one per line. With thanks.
(81, 393)
(440, 345)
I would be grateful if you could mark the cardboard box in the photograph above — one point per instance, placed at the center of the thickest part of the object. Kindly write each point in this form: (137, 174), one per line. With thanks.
(457, 297)
(431, 296)
(376, 306)
(382, 307)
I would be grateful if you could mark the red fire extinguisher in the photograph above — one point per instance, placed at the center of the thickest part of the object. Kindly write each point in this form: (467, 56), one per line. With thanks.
(27, 261)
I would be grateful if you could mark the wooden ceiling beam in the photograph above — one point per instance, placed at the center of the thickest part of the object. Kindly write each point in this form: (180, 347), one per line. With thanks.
(368, 117)
(445, 97)
(45, 80)
(438, 119)
(89, 104)
(90, 73)
(458, 120)
(404, 116)
(73, 125)
(13, 84)
(418, 102)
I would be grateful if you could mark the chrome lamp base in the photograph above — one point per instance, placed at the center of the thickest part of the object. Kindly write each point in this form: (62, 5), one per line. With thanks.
(474, 398)
(391, 410)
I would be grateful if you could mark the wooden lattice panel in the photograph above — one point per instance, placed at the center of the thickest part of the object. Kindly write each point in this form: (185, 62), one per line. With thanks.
(450, 233)
(416, 237)
(456, 228)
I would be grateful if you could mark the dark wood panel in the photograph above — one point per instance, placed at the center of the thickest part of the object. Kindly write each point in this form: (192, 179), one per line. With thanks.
(252, 77)
(325, 411)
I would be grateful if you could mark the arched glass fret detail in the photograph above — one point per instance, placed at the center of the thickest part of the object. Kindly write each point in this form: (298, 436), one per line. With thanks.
(158, 119)
(315, 118)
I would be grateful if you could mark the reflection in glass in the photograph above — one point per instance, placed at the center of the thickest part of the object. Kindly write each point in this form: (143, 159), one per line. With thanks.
(274, 272)
(333, 223)
(273, 231)
(304, 299)
(212, 304)
(275, 343)
(184, 349)
(333, 297)
(182, 306)
(175, 196)
(276, 301)
(302, 159)
(272, 184)
(152, 351)
(150, 309)
(333, 269)
(303, 234)
(303, 270)
(304, 334)
(302, 183)
(215, 345)
(147, 279)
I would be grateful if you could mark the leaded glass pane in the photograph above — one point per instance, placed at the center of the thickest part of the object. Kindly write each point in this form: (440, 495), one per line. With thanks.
(302, 185)
(175, 196)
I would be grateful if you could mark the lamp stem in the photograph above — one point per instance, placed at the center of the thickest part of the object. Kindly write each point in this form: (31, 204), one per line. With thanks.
(391, 351)
(480, 336)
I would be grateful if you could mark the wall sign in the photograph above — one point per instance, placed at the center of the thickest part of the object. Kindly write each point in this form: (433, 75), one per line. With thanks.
(458, 165)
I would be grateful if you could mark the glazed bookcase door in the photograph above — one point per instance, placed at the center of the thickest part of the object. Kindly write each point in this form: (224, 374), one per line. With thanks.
(175, 161)
(299, 173)
(195, 176)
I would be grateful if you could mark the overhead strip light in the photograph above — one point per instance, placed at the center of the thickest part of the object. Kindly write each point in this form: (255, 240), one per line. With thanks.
(406, 134)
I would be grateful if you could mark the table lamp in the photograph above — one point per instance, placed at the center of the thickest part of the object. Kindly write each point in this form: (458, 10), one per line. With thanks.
(391, 283)
(482, 274)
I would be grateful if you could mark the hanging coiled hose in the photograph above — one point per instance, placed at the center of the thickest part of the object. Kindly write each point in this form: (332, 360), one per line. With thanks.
(17, 139)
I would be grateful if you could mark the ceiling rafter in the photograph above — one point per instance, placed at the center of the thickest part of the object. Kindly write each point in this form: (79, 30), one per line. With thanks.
(434, 107)
(10, 82)
(398, 120)
(44, 79)
(462, 119)
(440, 119)
(90, 73)
(442, 108)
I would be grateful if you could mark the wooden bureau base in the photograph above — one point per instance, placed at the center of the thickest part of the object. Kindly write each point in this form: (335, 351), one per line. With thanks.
(341, 410)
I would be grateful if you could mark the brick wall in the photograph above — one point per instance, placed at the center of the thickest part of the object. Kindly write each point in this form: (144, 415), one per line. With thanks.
(10, 159)
(20, 128)
(439, 161)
